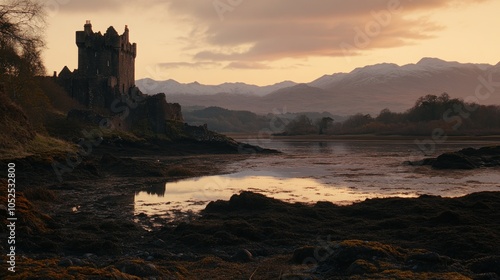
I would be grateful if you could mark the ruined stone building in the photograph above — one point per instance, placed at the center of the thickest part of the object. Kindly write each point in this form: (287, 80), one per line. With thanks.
(109, 55)
(106, 75)
(106, 67)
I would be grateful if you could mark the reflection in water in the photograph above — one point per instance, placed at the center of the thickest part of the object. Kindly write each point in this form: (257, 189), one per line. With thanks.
(340, 172)
(194, 194)
(157, 189)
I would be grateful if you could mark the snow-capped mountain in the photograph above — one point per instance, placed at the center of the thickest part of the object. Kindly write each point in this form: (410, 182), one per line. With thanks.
(387, 72)
(366, 89)
(172, 87)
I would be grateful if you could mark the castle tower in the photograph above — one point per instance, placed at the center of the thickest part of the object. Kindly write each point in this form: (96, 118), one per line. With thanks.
(109, 56)
(105, 74)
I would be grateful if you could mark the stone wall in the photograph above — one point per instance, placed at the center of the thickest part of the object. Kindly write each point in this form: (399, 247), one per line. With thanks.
(153, 113)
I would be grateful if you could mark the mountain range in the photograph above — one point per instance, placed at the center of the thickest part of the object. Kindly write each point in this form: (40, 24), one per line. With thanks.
(366, 89)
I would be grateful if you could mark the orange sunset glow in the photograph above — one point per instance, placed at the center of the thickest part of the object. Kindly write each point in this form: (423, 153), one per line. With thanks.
(264, 42)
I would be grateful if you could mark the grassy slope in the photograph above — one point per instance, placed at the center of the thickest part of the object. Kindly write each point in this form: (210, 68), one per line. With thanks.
(23, 123)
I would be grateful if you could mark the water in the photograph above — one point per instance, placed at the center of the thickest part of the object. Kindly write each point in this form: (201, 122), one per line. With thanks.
(308, 171)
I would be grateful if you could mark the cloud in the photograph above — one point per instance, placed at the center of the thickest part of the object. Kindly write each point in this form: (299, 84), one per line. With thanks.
(249, 34)
(246, 65)
(98, 6)
(245, 31)
(200, 64)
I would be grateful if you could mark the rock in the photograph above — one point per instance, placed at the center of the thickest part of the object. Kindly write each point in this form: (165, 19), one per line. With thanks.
(243, 255)
(425, 161)
(77, 261)
(158, 242)
(138, 268)
(360, 267)
(351, 250)
(428, 261)
(468, 158)
(485, 265)
(358, 257)
(454, 161)
(151, 266)
(245, 201)
(304, 255)
(89, 256)
(65, 262)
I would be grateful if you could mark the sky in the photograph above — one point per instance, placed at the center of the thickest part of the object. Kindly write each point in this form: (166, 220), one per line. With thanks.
(264, 42)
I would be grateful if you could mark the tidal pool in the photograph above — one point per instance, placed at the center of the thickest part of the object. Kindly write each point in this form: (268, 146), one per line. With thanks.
(341, 172)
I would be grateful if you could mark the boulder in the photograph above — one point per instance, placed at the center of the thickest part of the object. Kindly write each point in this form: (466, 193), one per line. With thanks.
(243, 255)
(468, 158)
(454, 161)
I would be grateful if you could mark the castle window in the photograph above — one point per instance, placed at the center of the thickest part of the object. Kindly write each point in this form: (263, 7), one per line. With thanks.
(108, 63)
(95, 54)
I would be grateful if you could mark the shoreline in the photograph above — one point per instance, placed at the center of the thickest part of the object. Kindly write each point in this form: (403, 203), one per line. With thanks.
(364, 137)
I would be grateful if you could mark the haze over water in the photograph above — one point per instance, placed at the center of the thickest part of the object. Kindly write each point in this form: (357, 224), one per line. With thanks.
(340, 171)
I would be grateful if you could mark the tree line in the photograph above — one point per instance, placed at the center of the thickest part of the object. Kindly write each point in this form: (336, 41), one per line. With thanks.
(453, 115)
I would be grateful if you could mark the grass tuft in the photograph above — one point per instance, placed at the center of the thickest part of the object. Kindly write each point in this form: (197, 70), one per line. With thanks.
(41, 145)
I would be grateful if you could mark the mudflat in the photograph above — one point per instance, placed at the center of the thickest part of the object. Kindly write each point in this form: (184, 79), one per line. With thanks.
(85, 228)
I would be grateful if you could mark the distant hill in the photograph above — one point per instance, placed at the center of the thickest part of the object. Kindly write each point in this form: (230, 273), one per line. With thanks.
(224, 120)
(367, 89)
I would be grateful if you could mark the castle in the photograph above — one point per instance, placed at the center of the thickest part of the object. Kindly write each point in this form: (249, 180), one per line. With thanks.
(109, 55)
(106, 76)
(106, 67)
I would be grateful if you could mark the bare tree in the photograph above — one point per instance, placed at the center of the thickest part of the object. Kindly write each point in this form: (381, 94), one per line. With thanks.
(21, 36)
